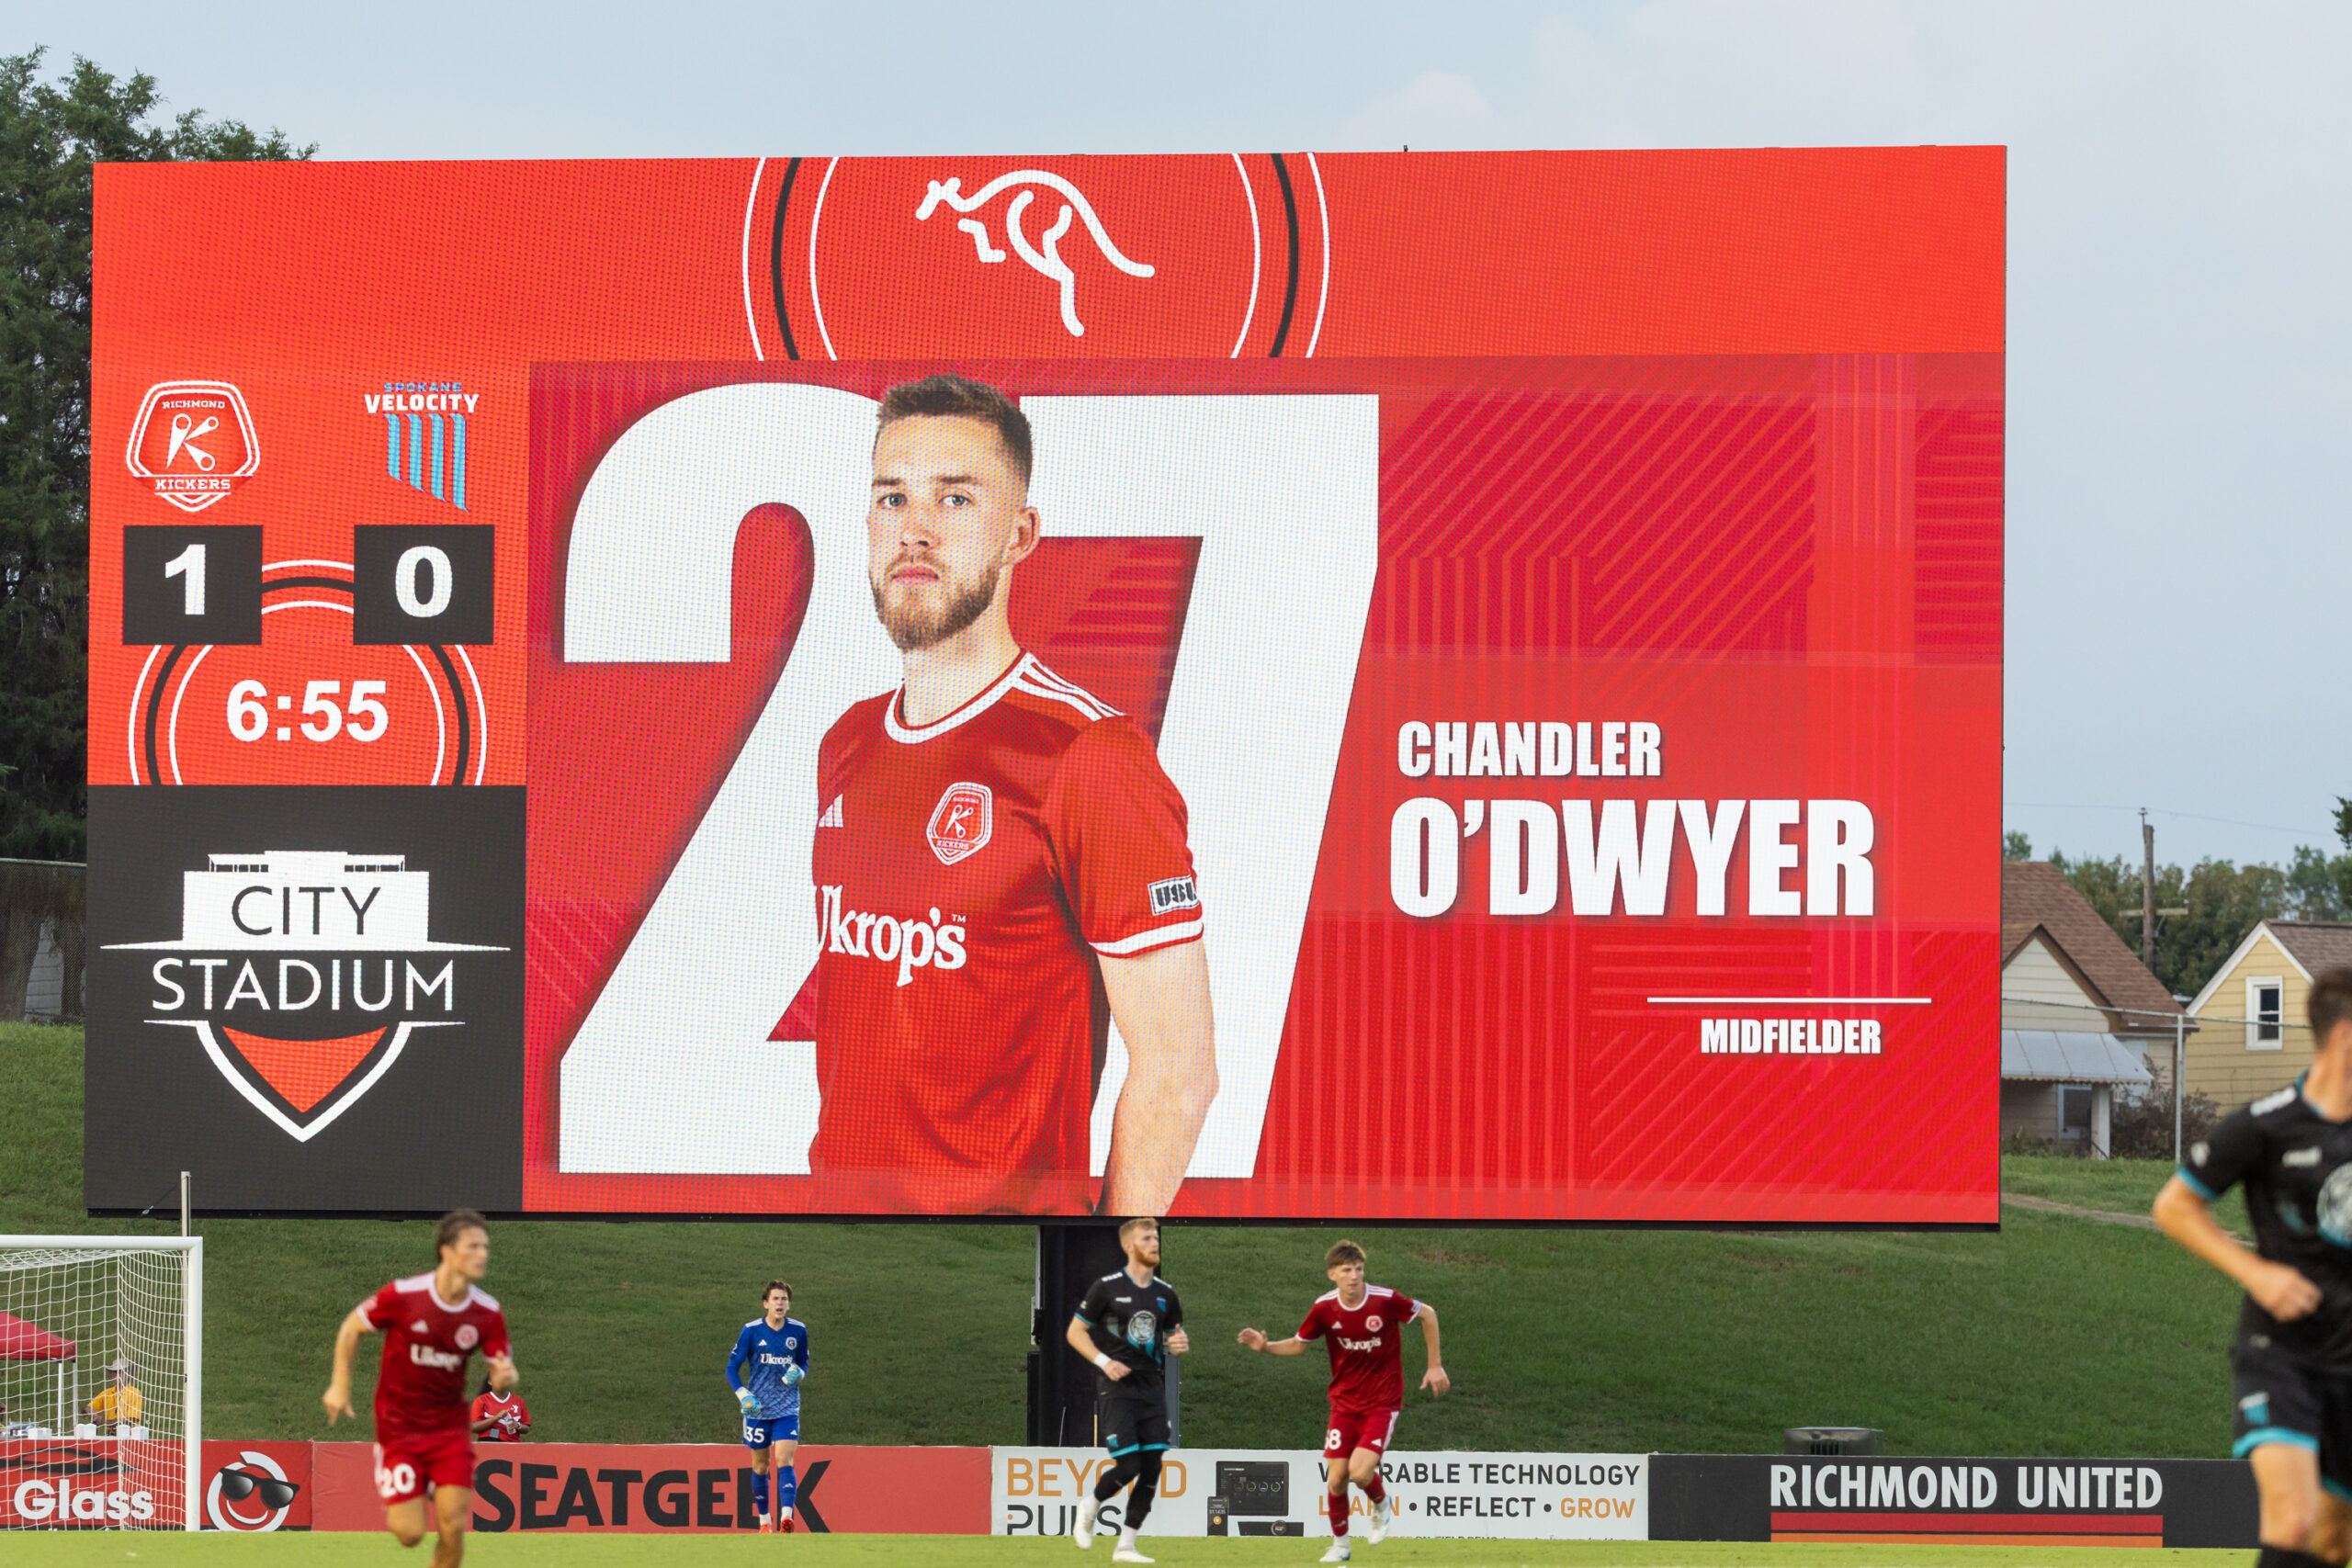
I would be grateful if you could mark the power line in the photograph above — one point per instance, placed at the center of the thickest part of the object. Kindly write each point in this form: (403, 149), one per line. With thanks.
(2161, 811)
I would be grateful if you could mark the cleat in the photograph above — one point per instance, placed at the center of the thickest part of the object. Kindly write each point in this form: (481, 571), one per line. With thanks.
(1083, 1531)
(1339, 1554)
(786, 1524)
(1384, 1518)
(767, 1524)
(1128, 1554)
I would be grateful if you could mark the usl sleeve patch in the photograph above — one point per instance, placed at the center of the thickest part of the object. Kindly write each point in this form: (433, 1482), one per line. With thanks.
(1176, 893)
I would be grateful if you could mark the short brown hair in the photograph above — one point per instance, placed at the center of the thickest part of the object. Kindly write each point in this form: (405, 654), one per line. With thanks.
(1129, 1227)
(455, 1224)
(1342, 1252)
(774, 1285)
(939, 396)
(2330, 1003)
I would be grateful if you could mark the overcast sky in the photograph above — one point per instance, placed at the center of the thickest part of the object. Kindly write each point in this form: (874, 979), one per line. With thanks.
(2178, 315)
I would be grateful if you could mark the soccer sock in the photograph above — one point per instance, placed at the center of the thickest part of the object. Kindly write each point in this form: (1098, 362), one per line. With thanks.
(1375, 1489)
(759, 1492)
(787, 1486)
(1146, 1488)
(1340, 1515)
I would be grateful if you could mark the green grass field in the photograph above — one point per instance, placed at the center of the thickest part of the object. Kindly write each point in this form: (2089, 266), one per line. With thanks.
(2057, 1335)
(981, 1551)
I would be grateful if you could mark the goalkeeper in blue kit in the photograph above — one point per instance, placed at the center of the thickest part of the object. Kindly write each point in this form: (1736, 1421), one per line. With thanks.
(771, 1357)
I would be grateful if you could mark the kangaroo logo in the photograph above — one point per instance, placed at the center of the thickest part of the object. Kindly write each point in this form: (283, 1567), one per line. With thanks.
(1044, 256)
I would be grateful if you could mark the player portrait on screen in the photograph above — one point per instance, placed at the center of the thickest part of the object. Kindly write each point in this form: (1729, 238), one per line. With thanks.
(1001, 871)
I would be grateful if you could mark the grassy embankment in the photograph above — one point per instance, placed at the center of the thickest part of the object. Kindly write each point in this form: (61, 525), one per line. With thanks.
(2057, 1335)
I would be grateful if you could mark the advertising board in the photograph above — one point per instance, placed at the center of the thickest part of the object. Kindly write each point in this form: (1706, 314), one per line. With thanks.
(1509, 643)
(1278, 1491)
(679, 1489)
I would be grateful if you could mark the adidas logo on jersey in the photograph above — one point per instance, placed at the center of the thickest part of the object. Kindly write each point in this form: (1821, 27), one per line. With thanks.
(911, 944)
(832, 817)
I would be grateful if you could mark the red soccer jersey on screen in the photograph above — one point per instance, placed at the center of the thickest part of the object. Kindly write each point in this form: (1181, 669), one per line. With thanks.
(507, 1409)
(1367, 1344)
(968, 873)
(421, 1387)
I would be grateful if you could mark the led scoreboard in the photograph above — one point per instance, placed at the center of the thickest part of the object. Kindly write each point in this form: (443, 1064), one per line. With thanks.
(1521, 631)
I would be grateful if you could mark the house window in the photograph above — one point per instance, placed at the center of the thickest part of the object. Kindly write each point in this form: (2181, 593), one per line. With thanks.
(2075, 1111)
(2266, 999)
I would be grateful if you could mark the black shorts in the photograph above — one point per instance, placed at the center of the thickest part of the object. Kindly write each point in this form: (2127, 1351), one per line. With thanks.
(2283, 1398)
(1131, 1423)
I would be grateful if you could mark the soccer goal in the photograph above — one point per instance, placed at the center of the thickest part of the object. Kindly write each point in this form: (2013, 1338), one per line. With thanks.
(101, 1381)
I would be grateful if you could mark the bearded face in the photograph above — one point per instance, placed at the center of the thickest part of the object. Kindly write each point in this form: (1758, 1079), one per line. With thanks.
(949, 516)
(921, 611)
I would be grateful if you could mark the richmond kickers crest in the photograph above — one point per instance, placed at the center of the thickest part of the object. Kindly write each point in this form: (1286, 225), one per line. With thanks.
(304, 975)
(194, 441)
(962, 822)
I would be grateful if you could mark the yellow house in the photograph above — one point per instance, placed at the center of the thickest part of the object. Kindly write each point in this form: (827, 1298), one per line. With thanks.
(2255, 1036)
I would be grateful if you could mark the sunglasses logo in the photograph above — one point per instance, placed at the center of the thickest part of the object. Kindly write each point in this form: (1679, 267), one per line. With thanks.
(250, 1493)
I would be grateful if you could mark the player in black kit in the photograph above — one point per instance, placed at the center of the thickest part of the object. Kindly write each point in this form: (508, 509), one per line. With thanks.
(1128, 1325)
(2293, 1353)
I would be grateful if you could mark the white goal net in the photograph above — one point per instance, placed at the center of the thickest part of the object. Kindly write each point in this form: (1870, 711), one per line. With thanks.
(101, 1381)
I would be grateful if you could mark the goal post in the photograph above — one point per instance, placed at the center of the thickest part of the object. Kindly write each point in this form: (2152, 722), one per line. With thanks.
(101, 1381)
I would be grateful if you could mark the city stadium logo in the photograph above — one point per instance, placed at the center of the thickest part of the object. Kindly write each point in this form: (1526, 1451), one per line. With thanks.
(424, 435)
(1043, 253)
(303, 974)
(961, 822)
(194, 441)
(251, 1494)
(2335, 1206)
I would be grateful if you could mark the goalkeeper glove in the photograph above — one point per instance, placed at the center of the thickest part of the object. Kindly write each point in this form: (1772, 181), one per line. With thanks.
(793, 1372)
(744, 1398)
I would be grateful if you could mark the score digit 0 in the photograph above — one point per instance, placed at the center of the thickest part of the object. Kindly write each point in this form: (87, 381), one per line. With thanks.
(424, 583)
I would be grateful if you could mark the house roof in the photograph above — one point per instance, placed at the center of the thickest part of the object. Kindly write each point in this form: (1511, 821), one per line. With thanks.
(2050, 1055)
(2315, 944)
(2035, 894)
(2310, 945)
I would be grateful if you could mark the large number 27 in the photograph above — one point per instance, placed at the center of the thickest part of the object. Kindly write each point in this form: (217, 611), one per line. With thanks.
(672, 1071)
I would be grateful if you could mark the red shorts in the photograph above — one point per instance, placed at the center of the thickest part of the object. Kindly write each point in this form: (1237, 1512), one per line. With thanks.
(1354, 1429)
(411, 1467)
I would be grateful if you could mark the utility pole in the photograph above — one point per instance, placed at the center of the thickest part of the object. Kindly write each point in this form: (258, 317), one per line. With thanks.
(2148, 892)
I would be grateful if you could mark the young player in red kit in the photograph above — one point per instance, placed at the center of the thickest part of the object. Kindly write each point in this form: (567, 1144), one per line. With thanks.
(432, 1324)
(1003, 872)
(1363, 1327)
(498, 1417)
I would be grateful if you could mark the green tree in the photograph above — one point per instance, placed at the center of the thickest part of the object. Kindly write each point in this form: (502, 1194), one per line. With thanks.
(51, 132)
(2015, 846)
(2223, 900)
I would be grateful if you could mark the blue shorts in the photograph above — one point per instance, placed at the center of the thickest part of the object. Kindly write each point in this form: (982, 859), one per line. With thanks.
(758, 1431)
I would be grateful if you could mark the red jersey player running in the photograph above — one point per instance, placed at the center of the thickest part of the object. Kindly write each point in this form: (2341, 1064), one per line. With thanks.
(1001, 871)
(1363, 1327)
(431, 1324)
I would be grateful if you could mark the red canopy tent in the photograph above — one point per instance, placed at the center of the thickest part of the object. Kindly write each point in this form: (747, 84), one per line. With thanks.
(24, 1341)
